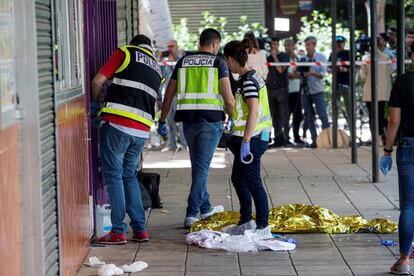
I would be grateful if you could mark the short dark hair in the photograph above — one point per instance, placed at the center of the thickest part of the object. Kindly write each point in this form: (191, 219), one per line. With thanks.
(209, 36)
(410, 31)
(384, 36)
(311, 39)
(140, 39)
(289, 40)
(275, 39)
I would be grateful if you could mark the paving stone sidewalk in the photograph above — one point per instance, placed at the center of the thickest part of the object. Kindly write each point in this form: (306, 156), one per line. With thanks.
(321, 177)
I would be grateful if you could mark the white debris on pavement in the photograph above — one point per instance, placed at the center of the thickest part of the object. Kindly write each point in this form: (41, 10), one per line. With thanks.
(95, 262)
(110, 270)
(135, 267)
(249, 242)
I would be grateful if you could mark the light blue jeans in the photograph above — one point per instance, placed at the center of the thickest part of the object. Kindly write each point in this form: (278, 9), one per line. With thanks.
(319, 101)
(120, 153)
(405, 165)
(202, 139)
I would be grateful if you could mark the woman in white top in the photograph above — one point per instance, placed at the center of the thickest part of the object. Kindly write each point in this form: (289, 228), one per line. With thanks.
(256, 57)
(384, 87)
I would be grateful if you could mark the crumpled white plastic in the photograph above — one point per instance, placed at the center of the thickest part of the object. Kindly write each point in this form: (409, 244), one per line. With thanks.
(135, 267)
(95, 262)
(110, 270)
(251, 241)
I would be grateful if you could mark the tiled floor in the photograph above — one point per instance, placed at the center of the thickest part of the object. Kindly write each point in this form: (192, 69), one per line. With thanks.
(320, 177)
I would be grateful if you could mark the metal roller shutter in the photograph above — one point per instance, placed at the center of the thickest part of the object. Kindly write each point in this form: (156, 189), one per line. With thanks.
(135, 20)
(124, 21)
(127, 20)
(232, 9)
(47, 137)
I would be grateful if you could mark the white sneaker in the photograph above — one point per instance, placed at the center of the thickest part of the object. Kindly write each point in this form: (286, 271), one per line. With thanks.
(215, 209)
(260, 234)
(188, 221)
(236, 229)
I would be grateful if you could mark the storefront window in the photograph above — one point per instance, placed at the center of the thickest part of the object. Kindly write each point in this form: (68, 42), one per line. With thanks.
(8, 96)
(68, 45)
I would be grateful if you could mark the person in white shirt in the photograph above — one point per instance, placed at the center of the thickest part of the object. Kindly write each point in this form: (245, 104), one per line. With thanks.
(256, 57)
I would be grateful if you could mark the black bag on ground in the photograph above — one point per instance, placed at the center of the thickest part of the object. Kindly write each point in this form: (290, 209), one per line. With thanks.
(145, 197)
(151, 182)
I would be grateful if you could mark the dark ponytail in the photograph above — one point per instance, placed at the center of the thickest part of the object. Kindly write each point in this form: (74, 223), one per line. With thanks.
(238, 50)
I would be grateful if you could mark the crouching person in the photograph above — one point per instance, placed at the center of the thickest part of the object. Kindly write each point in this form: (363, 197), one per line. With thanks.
(127, 115)
(250, 137)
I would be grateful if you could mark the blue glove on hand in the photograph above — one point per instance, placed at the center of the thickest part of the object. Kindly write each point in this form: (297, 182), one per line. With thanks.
(245, 153)
(96, 121)
(385, 164)
(162, 129)
(95, 107)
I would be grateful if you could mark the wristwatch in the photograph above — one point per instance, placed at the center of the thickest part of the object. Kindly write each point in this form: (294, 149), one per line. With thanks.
(388, 150)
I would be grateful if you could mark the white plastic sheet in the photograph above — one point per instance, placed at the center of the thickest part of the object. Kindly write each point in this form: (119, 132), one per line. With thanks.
(135, 267)
(110, 270)
(95, 262)
(251, 241)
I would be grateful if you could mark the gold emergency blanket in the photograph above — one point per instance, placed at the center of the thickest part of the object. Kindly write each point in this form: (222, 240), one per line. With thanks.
(301, 218)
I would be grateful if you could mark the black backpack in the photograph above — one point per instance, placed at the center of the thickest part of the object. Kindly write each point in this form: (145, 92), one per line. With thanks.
(151, 184)
(145, 197)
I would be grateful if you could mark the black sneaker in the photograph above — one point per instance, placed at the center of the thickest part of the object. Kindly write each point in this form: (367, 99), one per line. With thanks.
(312, 146)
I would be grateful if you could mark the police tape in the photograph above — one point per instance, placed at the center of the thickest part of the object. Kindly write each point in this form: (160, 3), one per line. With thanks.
(315, 63)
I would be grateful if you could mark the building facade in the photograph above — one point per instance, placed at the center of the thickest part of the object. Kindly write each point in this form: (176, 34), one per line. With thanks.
(49, 182)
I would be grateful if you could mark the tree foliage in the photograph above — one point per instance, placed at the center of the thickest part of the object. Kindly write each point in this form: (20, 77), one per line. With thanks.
(319, 25)
(189, 40)
(409, 14)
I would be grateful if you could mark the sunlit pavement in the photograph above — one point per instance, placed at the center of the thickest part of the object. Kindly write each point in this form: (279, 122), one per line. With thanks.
(321, 177)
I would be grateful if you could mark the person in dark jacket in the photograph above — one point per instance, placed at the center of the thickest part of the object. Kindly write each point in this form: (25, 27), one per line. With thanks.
(401, 105)
(278, 92)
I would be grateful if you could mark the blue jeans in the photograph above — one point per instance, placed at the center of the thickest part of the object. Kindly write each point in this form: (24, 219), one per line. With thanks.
(405, 164)
(248, 183)
(172, 128)
(120, 154)
(319, 101)
(202, 139)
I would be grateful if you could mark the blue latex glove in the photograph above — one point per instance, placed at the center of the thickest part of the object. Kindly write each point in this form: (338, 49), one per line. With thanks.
(162, 129)
(385, 164)
(96, 121)
(229, 125)
(244, 151)
(95, 107)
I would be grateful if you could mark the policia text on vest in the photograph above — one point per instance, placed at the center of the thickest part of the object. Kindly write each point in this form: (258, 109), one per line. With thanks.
(133, 95)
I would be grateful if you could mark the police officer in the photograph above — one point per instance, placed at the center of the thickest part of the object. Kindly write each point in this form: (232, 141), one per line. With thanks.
(127, 113)
(250, 137)
(201, 82)
(401, 105)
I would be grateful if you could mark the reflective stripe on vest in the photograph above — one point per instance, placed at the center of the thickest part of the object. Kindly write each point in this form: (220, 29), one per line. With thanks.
(241, 112)
(198, 89)
(128, 112)
(133, 91)
(137, 85)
